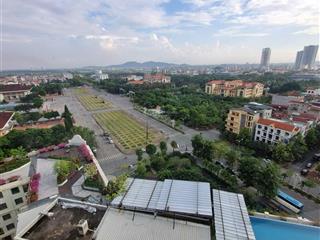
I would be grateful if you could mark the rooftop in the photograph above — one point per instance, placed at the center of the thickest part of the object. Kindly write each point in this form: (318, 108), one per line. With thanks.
(278, 124)
(14, 88)
(231, 216)
(185, 197)
(121, 225)
(4, 118)
(63, 223)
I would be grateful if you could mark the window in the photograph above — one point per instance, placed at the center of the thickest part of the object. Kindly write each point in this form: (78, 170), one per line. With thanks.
(259, 132)
(6, 217)
(271, 130)
(278, 131)
(232, 118)
(1, 231)
(25, 188)
(10, 226)
(18, 201)
(287, 134)
(270, 135)
(257, 139)
(3, 206)
(259, 126)
(265, 128)
(264, 134)
(15, 190)
(277, 137)
(1, 195)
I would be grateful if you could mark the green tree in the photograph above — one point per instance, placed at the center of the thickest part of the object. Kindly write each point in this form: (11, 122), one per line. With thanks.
(90, 170)
(244, 138)
(282, 153)
(298, 147)
(269, 180)
(249, 170)
(151, 149)
(37, 102)
(68, 122)
(163, 147)
(312, 138)
(174, 145)
(141, 169)
(232, 156)
(139, 154)
(220, 149)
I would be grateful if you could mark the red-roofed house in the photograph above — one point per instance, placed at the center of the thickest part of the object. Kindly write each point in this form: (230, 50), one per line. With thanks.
(5, 122)
(13, 92)
(234, 88)
(156, 78)
(274, 131)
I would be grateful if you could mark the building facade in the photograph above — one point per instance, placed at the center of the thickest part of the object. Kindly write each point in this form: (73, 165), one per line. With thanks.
(265, 59)
(235, 88)
(272, 131)
(156, 78)
(13, 196)
(6, 124)
(13, 92)
(309, 56)
(240, 118)
(298, 62)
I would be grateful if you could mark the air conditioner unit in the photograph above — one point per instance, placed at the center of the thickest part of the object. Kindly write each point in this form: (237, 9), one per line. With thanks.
(83, 227)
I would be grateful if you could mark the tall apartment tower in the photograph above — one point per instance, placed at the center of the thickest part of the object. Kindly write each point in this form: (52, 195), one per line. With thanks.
(265, 58)
(309, 56)
(298, 62)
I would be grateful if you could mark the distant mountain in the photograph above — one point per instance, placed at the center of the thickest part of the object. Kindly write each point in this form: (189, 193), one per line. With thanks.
(144, 65)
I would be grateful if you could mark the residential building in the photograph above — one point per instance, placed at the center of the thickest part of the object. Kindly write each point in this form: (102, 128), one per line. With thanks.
(156, 78)
(313, 91)
(273, 131)
(298, 62)
(246, 117)
(265, 59)
(234, 88)
(305, 59)
(285, 101)
(14, 186)
(6, 123)
(240, 118)
(134, 78)
(309, 56)
(13, 92)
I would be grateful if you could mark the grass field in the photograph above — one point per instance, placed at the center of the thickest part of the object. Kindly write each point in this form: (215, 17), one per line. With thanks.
(127, 131)
(81, 90)
(91, 102)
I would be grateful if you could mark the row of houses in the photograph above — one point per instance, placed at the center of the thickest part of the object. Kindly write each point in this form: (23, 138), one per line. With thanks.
(267, 125)
(234, 88)
(149, 78)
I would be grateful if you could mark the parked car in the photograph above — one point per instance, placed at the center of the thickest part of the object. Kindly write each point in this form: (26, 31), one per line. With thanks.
(309, 165)
(304, 172)
(317, 157)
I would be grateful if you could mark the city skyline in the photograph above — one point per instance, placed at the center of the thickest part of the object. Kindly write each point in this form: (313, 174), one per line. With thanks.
(66, 34)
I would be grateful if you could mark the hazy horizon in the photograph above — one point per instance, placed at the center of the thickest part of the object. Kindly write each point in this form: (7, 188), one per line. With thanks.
(71, 34)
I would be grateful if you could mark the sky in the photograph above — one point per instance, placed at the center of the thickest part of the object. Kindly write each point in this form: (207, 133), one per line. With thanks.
(75, 33)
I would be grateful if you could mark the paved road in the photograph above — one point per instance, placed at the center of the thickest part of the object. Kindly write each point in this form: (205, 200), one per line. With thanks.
(311, 210)
(112, 161)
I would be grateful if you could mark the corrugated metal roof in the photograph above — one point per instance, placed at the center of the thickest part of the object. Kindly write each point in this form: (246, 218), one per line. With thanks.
(184, 197)
(231, 216)
(123, 225)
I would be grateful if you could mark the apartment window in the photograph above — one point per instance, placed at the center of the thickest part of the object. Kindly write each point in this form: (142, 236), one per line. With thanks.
(270, 135)
(232, 118)
(3, 206)
(1, 231)
(15, 190)
(287, 134)
(1, 195)
(277, 137)
(231, 124)
(271, 130)
(10, 226)
(259, 132)
(265, 128)
(25, 188)
(278, 131)
(257, 139)
(18, 201)
(269, 141)
(6, 217)
(264, 134)
(259, 126)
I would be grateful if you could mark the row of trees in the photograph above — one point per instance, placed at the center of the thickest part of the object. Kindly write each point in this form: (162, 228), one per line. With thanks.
(253, 171)
(23, 118)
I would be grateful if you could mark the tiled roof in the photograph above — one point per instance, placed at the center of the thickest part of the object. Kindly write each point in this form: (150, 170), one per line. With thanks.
(14, 88)
(277, 124)
(136, 82)
(4, 118)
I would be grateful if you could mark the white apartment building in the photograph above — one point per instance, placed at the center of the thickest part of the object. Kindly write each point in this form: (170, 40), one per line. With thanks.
(13, 196)
(272, 131)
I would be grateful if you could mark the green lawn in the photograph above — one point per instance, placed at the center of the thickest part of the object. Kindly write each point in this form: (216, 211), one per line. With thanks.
(81, 91)
(127, 131)
(92, 102)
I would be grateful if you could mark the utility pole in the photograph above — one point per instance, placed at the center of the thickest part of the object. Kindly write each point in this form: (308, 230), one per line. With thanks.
(147, 132)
